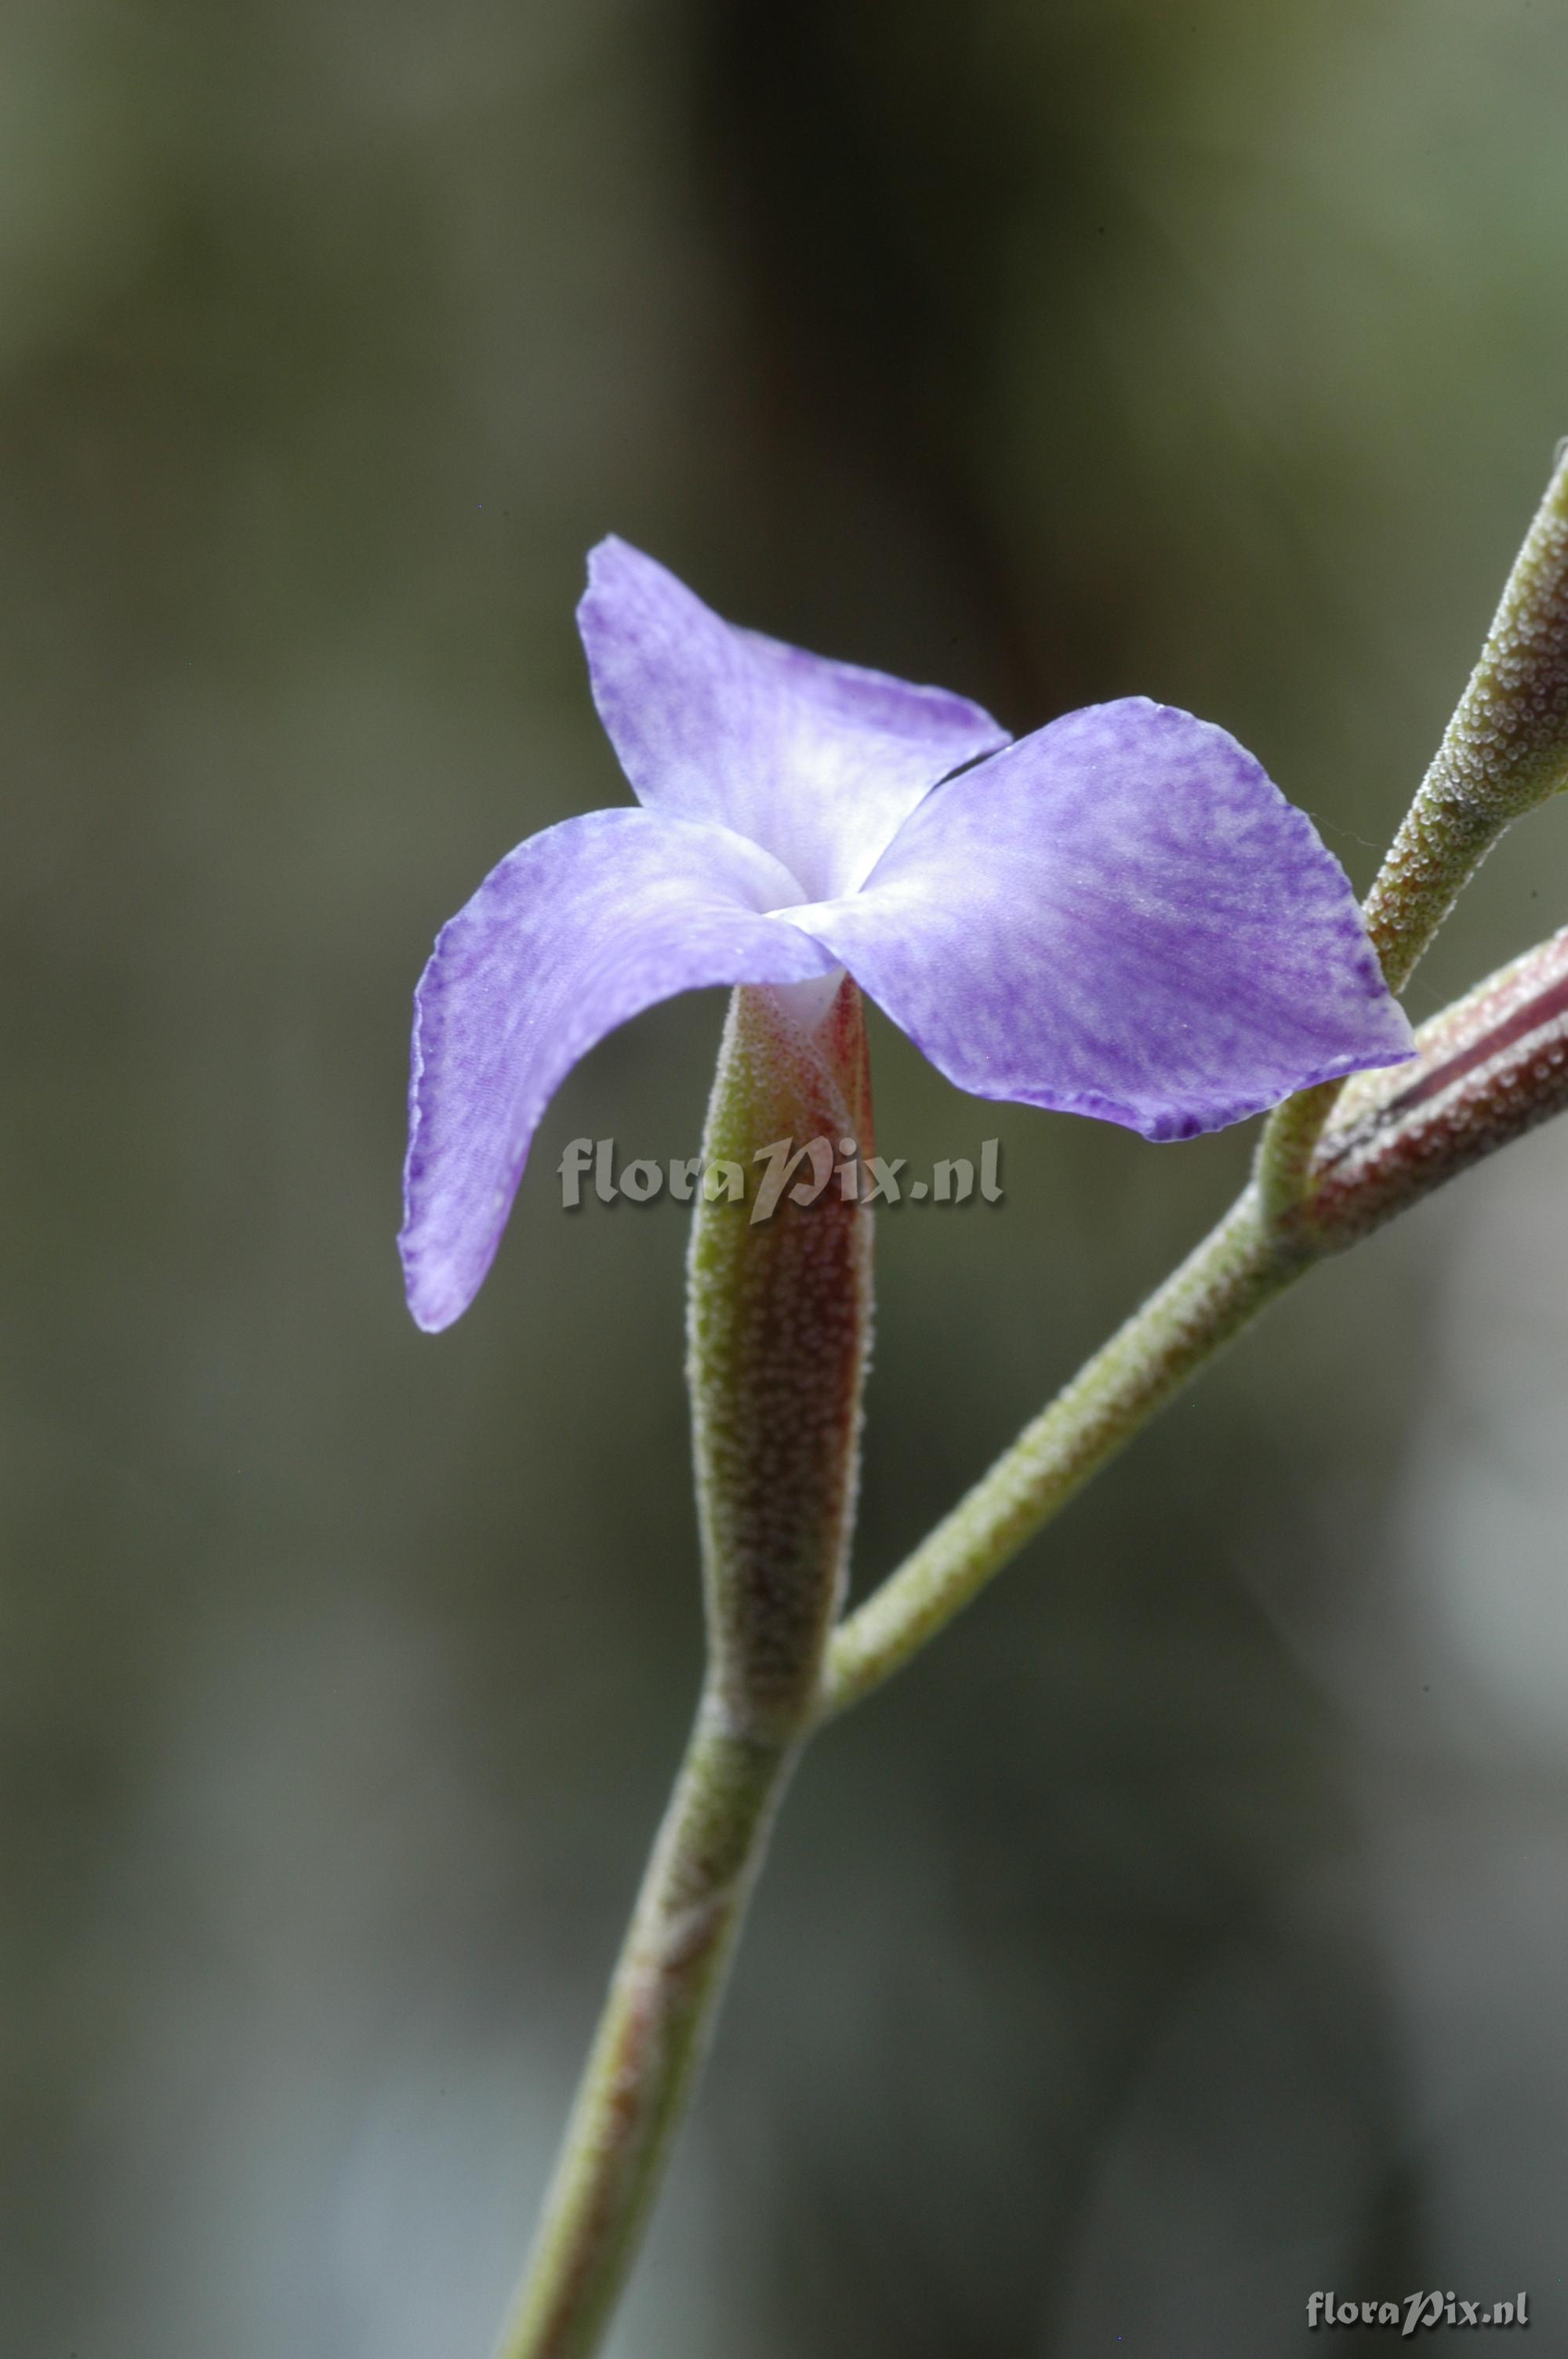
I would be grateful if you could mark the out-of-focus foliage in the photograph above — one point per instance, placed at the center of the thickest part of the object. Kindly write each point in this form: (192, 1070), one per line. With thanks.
(1185, 1933)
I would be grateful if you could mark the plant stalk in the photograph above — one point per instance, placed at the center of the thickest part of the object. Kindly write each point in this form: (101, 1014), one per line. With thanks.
(650, 2040)
(779, 1307)
(1217, 1290)
(1504, 753)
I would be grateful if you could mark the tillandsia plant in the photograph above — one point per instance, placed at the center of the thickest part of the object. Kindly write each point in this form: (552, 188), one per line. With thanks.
(1119, 916)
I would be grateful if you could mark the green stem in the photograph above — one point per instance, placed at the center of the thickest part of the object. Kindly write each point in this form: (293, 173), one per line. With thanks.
(1504, 753)
(651, 2040)
(1222, 1286)
(1489, 1068)
(778, 1330)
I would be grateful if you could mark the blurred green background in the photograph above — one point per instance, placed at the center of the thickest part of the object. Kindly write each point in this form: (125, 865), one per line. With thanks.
(1183, 1934)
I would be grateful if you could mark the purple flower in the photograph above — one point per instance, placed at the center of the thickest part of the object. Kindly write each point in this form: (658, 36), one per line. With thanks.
(1119, 916)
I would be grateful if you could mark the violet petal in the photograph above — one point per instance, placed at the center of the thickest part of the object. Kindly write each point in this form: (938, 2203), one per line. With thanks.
(819, 761)
(578, 930)
(1119, 915)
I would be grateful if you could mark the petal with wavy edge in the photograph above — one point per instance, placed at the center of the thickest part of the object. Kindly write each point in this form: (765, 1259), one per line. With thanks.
(819, 762)
(578, 930)
(1119, 915)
